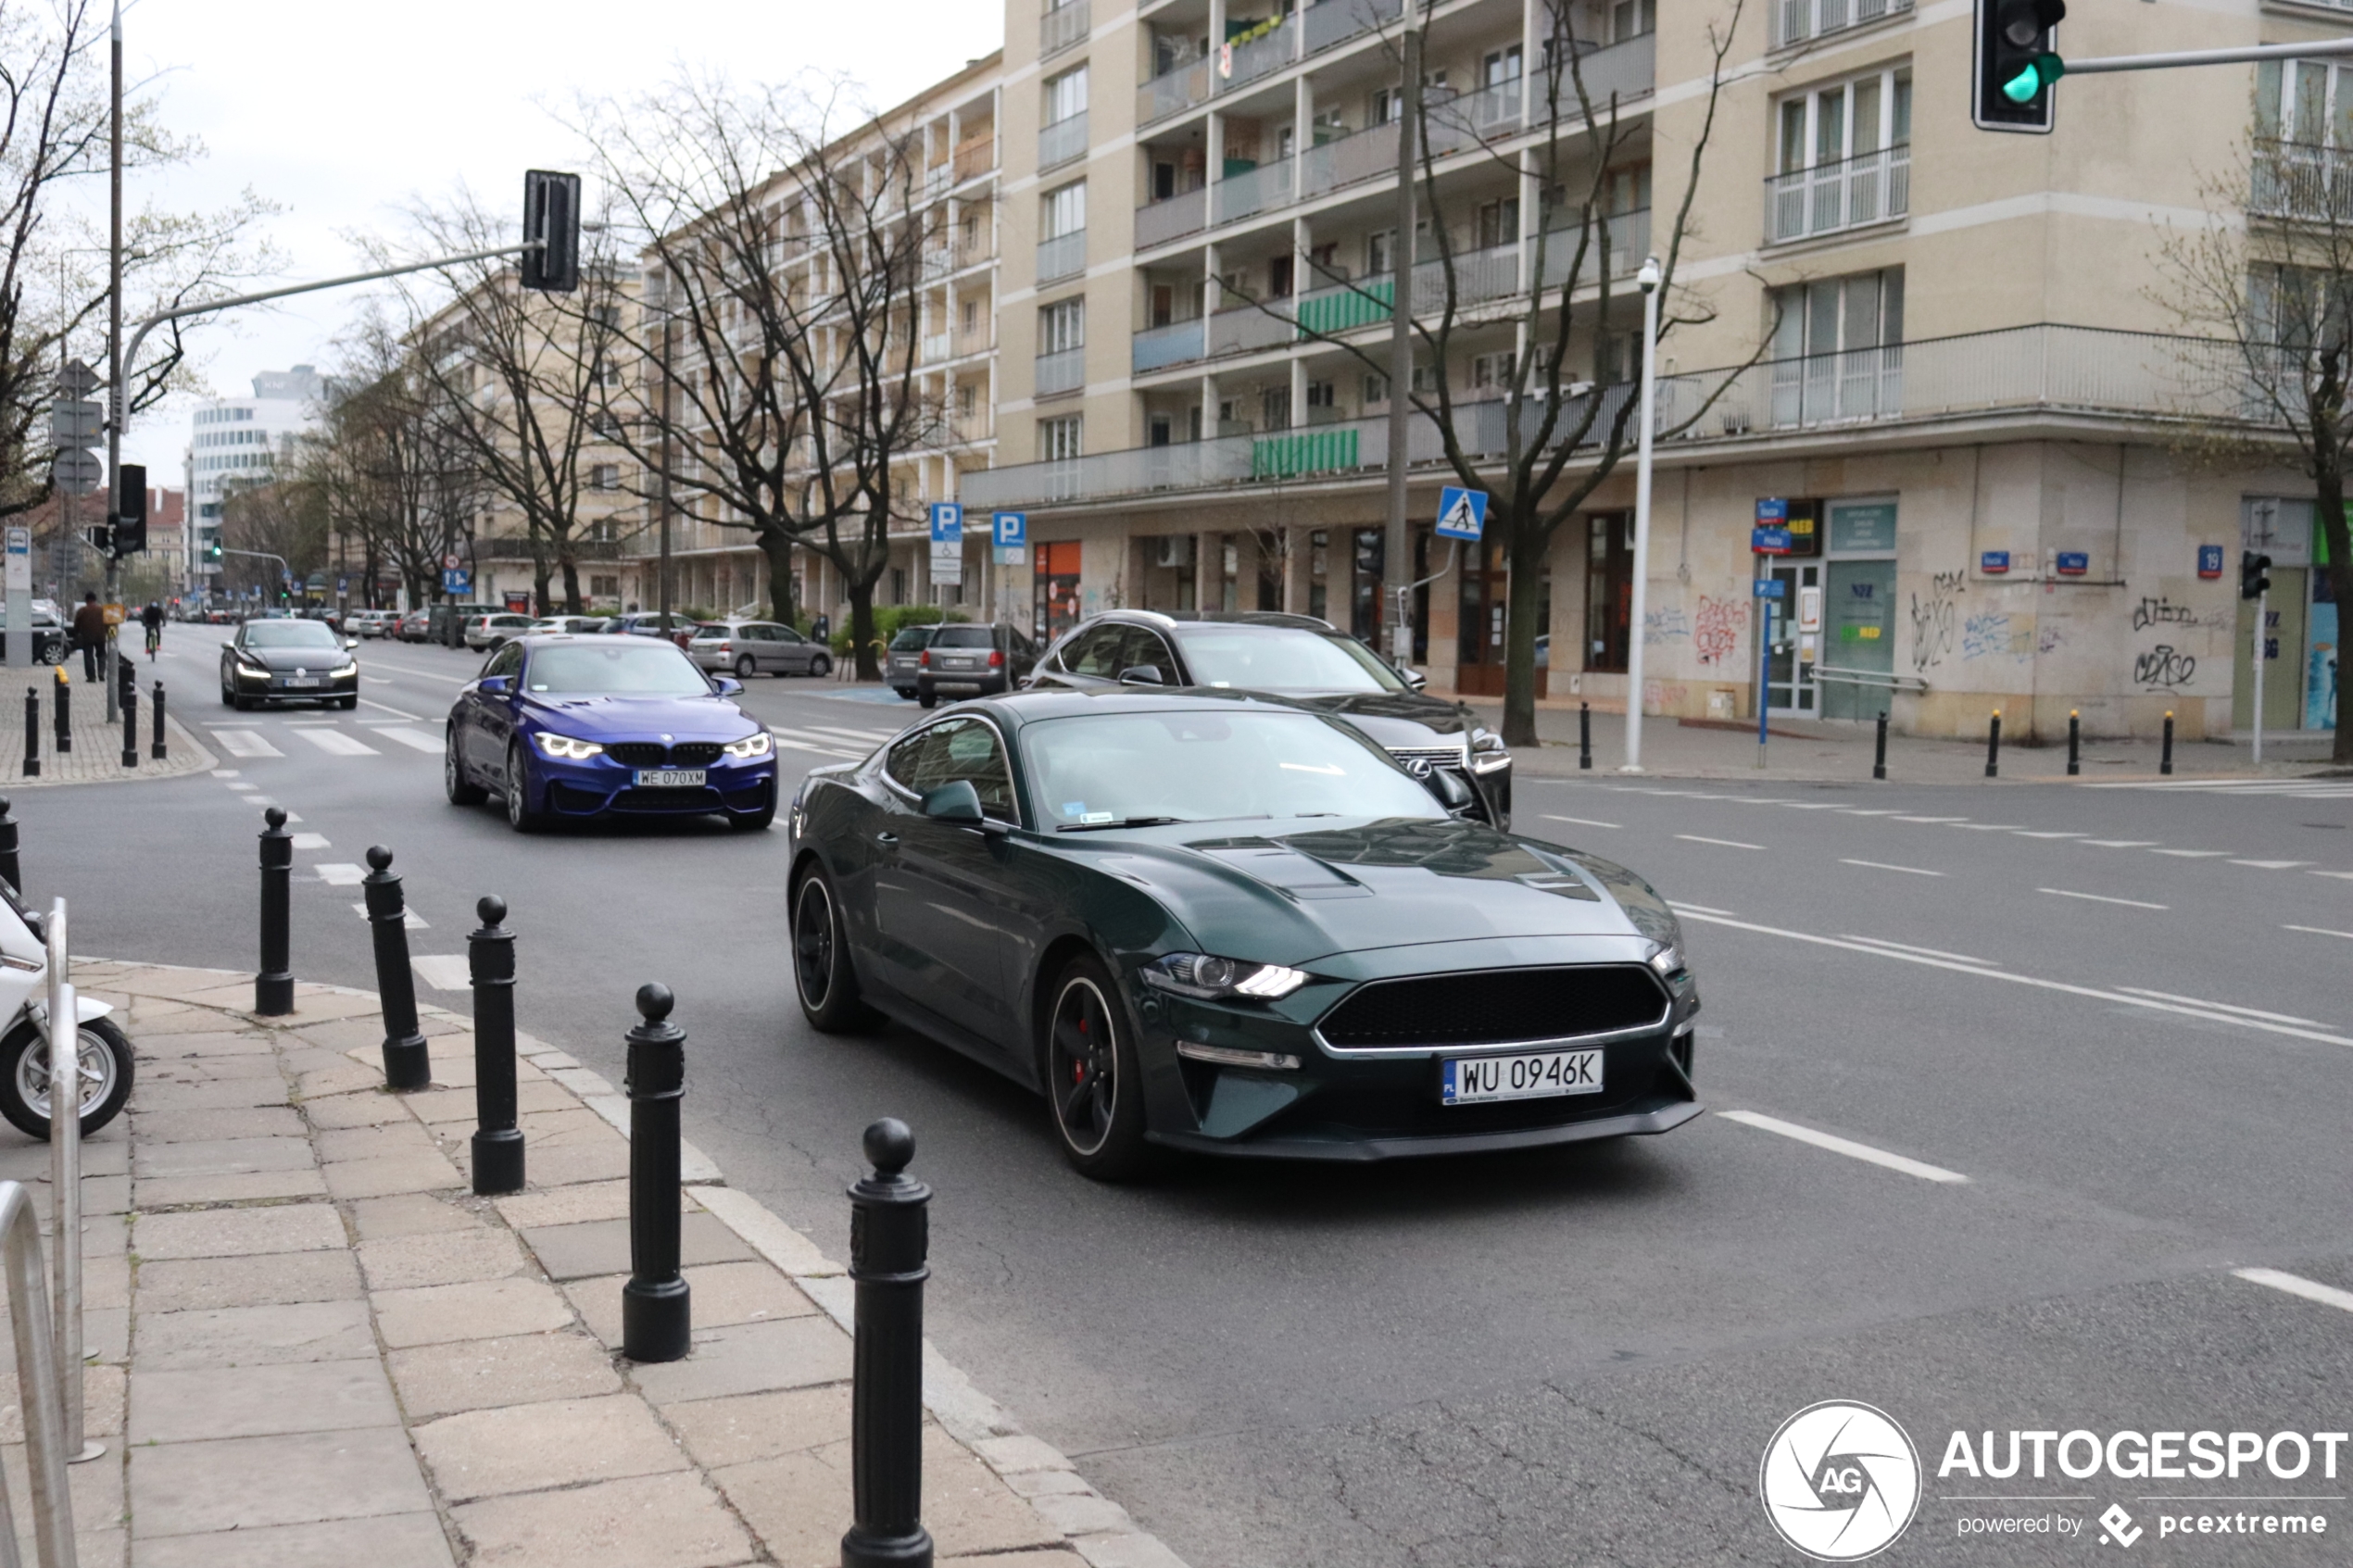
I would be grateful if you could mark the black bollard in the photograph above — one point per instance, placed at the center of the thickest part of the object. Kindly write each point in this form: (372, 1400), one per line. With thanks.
(1585, 735)
(2164, 759)
(65, 712)
(889, 1238)
(33, 731)
(1879, 751)
(154, 721)
(2074, 742)
(273, 987)
(9, 867)
(408, 1061)
(657, 1321)
(130, 725)
(490, 959)
(1994, 747)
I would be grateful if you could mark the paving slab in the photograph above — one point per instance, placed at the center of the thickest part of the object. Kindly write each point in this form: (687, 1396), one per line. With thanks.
(479, 1374)
(723, 1294)
(188, 1191)
(411, 1214)
(245, 1483)
(367, 1108)
(476, 1309)
(557, 1443)
(428, 1171)
(601, 1247)
(749, 1359)
(646, 1521)
(292, 1227)
(260, 1401)
(153, 1127)
(744, 1427)
(447, 1258)
(304, 1331)
(193, 1284)
(400, 1541)
(214, 1156)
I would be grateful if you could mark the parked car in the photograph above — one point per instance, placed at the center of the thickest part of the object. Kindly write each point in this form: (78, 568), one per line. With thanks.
(448, 625)
(1226, 922)
(288, 661)
(413, 627)
(757, 647)
(366, 623)
(904, 657)
(49, 632)
(963, 660)
(649, 623)
(570, 625)
(327, 613)
(577, 727)
(485, 633)
(1297, 656)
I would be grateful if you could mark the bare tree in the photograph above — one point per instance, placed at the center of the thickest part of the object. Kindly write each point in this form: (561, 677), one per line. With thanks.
(775, 336)
(286, 518)
(2279, 292)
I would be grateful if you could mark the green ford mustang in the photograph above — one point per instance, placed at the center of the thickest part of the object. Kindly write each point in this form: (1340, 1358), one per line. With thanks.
(1224, 923)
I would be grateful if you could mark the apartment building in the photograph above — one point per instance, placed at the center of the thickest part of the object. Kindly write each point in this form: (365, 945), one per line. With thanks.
(1971, 400)
(237, 442)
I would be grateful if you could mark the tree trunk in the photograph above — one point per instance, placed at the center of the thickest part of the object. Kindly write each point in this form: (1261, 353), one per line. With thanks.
(2329, 502)
(776, 546)
(572, 582)
(862, 628)
(1528, 547)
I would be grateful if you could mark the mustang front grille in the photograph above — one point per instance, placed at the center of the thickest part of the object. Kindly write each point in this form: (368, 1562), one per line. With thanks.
(1497, 1008)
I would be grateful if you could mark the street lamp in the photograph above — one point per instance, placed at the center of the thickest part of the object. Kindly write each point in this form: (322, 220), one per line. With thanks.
(1648, 278)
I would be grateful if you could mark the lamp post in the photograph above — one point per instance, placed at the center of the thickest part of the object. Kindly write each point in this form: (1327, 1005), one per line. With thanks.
(1648, 279)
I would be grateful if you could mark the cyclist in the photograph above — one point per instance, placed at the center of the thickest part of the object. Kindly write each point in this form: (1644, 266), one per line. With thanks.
(152, 619)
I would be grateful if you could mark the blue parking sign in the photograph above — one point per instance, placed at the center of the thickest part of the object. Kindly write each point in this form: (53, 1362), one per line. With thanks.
(947, 524)
(1462, 514)
(1011, 529)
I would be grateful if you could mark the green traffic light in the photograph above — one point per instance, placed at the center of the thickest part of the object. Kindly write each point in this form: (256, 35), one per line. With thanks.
(2041, 73)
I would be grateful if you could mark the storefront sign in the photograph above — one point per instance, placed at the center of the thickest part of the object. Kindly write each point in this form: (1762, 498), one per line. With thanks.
(1992, 563)
(2210, 560)
(1769, 541)
(1862, 528)
(2073, 563)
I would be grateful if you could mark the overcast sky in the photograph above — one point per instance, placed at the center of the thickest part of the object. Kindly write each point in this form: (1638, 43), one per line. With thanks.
(342, 113)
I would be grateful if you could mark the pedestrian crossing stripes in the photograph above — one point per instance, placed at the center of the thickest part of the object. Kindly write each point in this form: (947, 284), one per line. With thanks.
(415, 740)
(246, 743)
(334, 743)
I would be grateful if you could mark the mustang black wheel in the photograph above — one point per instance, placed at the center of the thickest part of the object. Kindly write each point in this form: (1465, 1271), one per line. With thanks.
(822, 973)
(461, 790)
(1091, 1079)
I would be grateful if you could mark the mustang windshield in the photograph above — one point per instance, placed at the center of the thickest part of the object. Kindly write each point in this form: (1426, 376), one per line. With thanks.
(1097, 769)
(624, 668)
(1283, 659)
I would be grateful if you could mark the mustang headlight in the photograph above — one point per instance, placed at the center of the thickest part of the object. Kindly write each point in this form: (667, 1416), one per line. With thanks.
(755, 745)
(1198, 975)
(567, 748)
(1667, 960)
(1487, 750)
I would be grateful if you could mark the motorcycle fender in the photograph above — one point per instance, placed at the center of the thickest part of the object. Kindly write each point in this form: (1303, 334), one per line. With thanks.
(84, 1009)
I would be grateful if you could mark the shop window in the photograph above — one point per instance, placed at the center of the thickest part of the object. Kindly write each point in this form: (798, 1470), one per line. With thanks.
(1609, 590)
(1055, 599)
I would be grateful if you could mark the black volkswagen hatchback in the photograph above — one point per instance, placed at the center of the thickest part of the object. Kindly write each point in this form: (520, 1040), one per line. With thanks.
(1297, 656)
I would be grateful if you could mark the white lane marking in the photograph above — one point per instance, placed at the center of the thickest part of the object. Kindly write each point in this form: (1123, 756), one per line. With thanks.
(1931, 952)
(224, 772)
(334, 743)
(1847, 1147)
(379, 680)
(2121, 843)
(244, 743)
(1813, 805)
(2040, 984)
(414, 717)
(409, 919)
(1883, 811)
(2319, 931)
(1757, 799)
(2344, 875)
(823, 745)
(259, 800)
(1987, 827)
(2272, 865)
(416, 740)
(2050, 835)
(311, 841)
(1698, 909)
(2296, 1284)
(2101, 898)
(1588, 821)
(1726, 842)
(2223, 1007)
(443, 972)
(1932, 819)
(243, 787)
(338, 874)
(2194, 854)
(1883, 866)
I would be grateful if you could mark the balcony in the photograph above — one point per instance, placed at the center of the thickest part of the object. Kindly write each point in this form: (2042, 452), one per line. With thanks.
(1158, 348)
(1064, 371)
(1174, 92)
(1794, 21)
(1629, 242)
(1171, 218)
(2300, 181)
(976, 157)
(936, 347)
(1317, 28)
(1063, 141)
(1251, 192)
(1851, 193)
(1064, 256)
(1260, 55)
(1336, 21)
(1060, 28)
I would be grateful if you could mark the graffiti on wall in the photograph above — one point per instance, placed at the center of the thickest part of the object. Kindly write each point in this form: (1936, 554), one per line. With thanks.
(1715, 635)
(2160, 611)
(1991, 636)
(1664, 625)
(2164, 669)
(1935, 619)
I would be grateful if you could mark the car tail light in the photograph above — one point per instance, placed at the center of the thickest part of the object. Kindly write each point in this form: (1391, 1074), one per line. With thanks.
(996, 658)
(925, 662)
(726, 647)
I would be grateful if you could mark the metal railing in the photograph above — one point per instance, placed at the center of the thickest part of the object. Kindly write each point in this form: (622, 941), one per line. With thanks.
(1060, 28)
(976, 156)
(1336, 21)
(1173, 91)
(1251, 192)
(1171, 216)
(1240, 329)
(1158, 348)
(1063, 141)
(1868, 188)
(1630, 240)
(936, 347)
(2300, 180)
(1064, 371)
(38, 1393)
(1062, 255)
(1270, 51)
(1344, 160)
(1796, 20)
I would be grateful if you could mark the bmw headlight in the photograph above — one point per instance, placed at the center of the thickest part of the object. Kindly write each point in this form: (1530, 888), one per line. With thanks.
(566, 748)
(757, 743)
(1208, 978)
(1487, 750)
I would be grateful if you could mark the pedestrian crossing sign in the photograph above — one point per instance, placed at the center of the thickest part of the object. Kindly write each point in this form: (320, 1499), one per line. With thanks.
(1462, 514)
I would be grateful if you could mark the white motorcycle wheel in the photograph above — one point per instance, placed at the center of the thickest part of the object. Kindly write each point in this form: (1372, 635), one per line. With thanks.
(106, 1068)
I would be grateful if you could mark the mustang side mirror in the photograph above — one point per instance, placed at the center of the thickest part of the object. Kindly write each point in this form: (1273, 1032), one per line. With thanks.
(1452, 791)
(492, 685)
(727, 685)
(956, 803)
(1142, 675)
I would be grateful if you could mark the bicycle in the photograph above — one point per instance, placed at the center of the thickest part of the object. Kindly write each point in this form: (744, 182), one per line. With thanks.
(154, 641)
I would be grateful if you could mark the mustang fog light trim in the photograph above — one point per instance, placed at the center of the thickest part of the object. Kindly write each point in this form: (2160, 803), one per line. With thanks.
(1226, 1055)
(1204, 976)
(567, 748)
(757, 744)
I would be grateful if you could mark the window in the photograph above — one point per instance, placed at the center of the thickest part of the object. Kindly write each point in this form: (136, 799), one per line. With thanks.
(1058, 439)
(964, 749)
(1062, 326)
(1492, 372)
(1386, 105)
(1847, 119)
(970, 315)
(1609, 589)
(1379, 248)
(605, 476)
(1376, 389)
(1502, 66)
(1498, 223)
(1839, 315)
(1096, 653)
(603, 587)
(1065, 96)
(1631, 18)
(1063, 211)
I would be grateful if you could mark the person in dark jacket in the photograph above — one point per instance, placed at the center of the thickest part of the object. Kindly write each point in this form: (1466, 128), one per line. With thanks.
(90, 634)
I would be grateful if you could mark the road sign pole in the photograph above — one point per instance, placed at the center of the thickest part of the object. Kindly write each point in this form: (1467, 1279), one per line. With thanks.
(2262, 646)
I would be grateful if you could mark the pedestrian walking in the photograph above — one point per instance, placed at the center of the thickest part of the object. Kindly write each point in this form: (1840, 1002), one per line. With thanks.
(90, 634)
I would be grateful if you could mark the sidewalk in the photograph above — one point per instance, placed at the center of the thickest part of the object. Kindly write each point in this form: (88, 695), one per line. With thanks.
(313, 1347)
(96, 757)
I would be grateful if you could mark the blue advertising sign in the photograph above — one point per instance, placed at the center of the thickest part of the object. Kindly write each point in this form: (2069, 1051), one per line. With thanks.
(2073, 563)
(1769, 541)
(2210, 560)
(1011, 529)
(1769, 588)
(457, 582)
(947, 524)
(1994, 562)
(1772, 510)
(1462, 514)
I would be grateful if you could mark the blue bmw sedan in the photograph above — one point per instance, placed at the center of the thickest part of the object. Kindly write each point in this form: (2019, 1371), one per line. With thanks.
(579, 727)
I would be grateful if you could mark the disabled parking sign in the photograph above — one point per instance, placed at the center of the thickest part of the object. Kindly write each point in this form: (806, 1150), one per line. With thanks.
(1462, 514)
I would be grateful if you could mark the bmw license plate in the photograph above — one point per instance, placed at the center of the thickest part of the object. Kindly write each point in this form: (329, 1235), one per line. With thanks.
(1470, 1080)
(670, 778)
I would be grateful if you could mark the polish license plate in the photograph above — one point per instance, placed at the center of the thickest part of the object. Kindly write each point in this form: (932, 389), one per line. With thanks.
(670, 778)
(1471, 1080)
(306, 681)
(958, 664)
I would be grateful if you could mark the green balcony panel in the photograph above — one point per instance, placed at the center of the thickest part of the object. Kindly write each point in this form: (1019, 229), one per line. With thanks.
(1336, 310)
(1307, 451)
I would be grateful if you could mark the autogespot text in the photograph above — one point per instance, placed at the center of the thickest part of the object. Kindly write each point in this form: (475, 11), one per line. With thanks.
(2152, 1456)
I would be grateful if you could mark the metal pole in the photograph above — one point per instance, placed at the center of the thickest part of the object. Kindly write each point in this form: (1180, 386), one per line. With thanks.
(2262, 644)
(1397, 564)
(2244, 55)
(2074, 742)
(9, 867)
(408, 1060)
(1878, 753)
(33, 731)
(498, 1143)
(115, 410)
(158, 750)
(273, 987)
(1648, 417)
(1994, 747)
(1585, 736)
(65, 712)
(65, 1183)
(2164, 760)
(657, 1313)
(45, 1419)
(890, 1239)
(130, 721)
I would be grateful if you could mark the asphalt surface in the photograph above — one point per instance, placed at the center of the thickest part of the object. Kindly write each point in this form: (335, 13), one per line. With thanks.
(2119, 1016)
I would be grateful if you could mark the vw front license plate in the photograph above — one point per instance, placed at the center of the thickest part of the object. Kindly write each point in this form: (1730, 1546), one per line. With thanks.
(670, 778)
(1471, 1080)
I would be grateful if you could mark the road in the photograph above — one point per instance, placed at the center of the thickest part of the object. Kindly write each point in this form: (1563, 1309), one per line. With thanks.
(2079, 1054)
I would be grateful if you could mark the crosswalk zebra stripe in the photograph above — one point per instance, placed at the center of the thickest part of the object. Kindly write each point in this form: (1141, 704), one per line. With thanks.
(246, 743)
(416, 740)
(334, 743)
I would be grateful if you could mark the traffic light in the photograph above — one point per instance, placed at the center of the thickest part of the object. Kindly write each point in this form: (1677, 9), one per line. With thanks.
(212, 549)
(2253, 582)
(131, 509)
(2016, 65)
(100, 537)
(551, 218)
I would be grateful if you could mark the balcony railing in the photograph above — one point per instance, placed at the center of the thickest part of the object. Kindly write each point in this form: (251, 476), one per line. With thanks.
(1270, 51)
(1060, 28)
(1174, 92)
(2041, 369)
(1630, 240)
(1252, 190)
(1871, 188)
(1242, 328)
(1062, 257)
(1336, 21)
(1063, 141)
(1158, 348)
(1170, 218)
(936, 347)
(1066, 371)
(1796, 20)
(974, 158)
(2298, 180)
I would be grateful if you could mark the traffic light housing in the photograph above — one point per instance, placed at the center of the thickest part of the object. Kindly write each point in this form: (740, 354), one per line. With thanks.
(2016, 65)
(2254, 579)
(131, 509)
(212, 549)
(551, 219)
